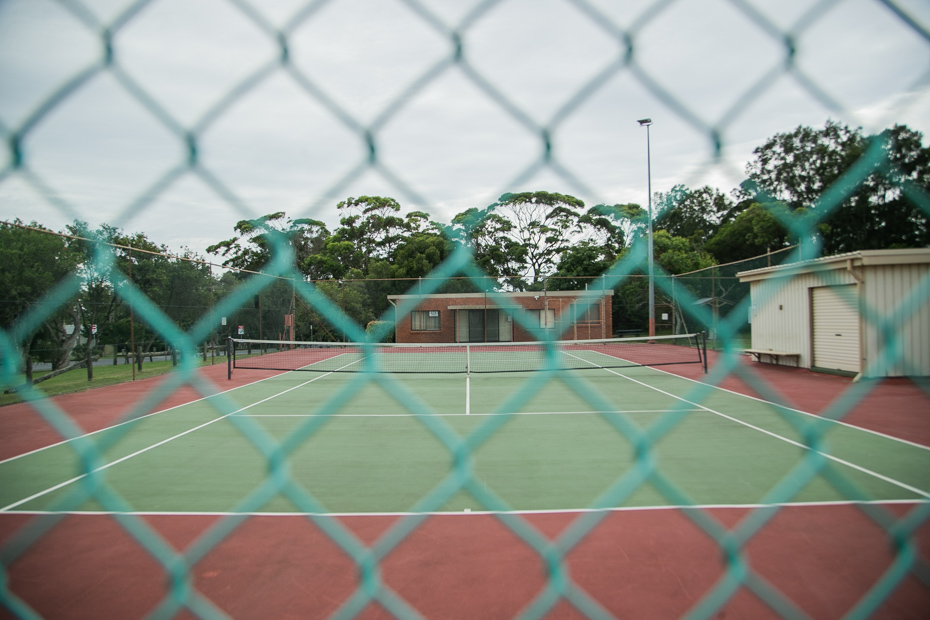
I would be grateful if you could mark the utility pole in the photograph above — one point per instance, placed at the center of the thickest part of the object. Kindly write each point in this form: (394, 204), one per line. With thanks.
(646, 122)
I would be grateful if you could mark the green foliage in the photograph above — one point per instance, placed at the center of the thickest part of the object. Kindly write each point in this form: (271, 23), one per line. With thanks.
(33, 263)
(488, 235)
(543, 227)
(419, 254)
(797, 168)
(352, 298)
(577, 267)
(694, 214)
(253, 244)
(372, 231)
(679, 255)
(672, 254)
(333, 261)
(524, 241)
(521, 238)
(755, 231)
(607, 227)
(179, 286)
(631, 305)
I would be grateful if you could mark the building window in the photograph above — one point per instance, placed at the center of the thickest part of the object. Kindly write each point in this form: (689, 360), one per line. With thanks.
(424, 321)
(587, 314)
(541, 318)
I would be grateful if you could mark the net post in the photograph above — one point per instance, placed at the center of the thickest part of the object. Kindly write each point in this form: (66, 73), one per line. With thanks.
(467, 379)
(704, 350)
(229, 357)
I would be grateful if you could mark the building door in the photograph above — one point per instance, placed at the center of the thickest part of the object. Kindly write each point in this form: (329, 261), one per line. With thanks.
(836, 328)
(476, 326)
(493, 331)
(484, 325)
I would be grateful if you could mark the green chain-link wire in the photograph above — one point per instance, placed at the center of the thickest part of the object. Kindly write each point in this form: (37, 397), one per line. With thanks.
(91, 450)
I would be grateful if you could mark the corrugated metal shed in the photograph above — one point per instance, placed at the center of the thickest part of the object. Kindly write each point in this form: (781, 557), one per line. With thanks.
(802, 312)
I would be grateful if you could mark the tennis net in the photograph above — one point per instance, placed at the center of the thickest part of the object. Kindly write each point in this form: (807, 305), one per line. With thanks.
(284, 355)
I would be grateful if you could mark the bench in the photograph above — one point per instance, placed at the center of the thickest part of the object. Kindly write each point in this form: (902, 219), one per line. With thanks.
(775, 355)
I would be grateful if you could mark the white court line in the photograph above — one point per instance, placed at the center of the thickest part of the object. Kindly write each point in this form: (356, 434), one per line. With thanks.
(801, 411)
(141, 417)
(458, 513)
(698, 406)
(836, 459)
(155, 445)
(450, 415)
(785, 407)
(310, 365)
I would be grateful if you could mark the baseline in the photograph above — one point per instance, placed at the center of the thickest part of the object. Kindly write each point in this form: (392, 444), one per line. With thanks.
(545, 511)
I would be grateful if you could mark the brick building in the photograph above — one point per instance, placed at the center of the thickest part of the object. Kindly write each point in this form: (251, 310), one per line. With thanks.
(476, 317)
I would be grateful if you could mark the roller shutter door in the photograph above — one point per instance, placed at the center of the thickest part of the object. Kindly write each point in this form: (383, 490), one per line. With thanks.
(836, 327)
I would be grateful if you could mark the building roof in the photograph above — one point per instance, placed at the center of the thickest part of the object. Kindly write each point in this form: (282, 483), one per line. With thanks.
(594, 292)
(862, 258)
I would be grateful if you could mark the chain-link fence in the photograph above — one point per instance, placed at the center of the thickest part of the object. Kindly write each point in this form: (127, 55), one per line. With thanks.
(186, 331)
(720, 289)
(96, 327)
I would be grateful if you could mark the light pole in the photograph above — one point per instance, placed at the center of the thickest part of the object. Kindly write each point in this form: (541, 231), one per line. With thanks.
(646, 122)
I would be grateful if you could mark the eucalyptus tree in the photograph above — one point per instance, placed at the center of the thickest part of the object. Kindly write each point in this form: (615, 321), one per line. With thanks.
(253, 244)
(521, 238)
(371, 230)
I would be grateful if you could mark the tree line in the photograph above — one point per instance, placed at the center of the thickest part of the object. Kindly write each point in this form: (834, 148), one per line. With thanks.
(526, 237)
(524, 241)
(39, 265)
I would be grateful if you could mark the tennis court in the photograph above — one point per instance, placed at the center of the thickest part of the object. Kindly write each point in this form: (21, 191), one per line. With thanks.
(362, 444)
(367, 456)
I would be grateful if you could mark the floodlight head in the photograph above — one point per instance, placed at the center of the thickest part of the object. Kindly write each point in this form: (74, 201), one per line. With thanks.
(644, 122)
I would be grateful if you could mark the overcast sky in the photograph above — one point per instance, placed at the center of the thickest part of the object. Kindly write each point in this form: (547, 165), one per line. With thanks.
(447, 135)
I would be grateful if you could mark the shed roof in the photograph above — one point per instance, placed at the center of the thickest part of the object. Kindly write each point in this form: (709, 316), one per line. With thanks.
(862, 258)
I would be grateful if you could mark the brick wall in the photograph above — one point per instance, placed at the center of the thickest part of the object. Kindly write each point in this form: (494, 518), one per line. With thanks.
(559, 303)
(446, 333)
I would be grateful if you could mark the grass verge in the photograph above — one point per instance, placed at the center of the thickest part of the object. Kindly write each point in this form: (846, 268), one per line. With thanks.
(76, 380)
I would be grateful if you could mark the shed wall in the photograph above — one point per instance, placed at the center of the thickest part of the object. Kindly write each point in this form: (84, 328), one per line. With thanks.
(781, 312)
(895, 312)
(885, 288)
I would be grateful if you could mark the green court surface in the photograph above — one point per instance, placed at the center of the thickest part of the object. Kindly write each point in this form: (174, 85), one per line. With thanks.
(357, 443)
